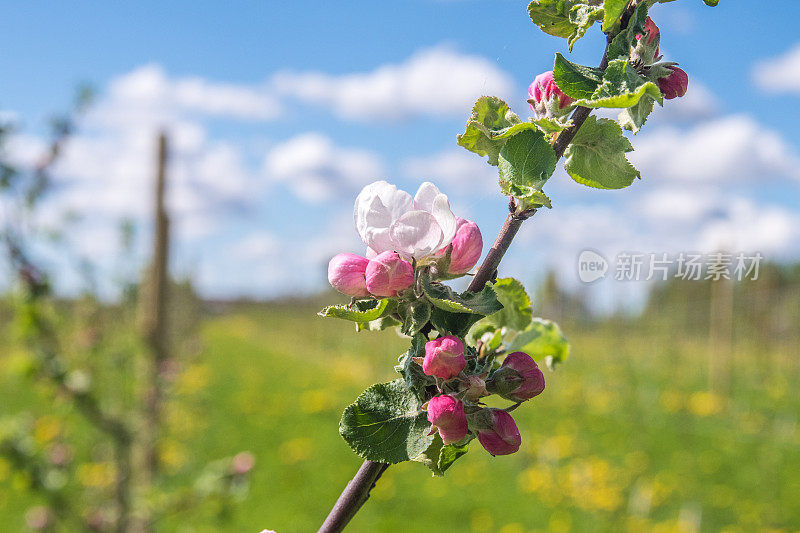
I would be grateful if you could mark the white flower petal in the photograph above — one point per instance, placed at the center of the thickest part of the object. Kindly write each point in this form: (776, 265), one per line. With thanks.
(426, 193)
(377, 206)
(445, 218)
(416, 234)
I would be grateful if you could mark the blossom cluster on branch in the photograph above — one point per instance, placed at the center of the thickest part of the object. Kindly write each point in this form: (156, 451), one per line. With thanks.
(470, 345)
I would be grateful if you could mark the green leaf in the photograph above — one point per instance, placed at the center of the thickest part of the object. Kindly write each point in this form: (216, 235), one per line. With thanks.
(448, 323)
(516, 313)
(361, 310)
(712, 3)
(525, 158)
(380, 324)
(386, 424)
(621, 86)
(542, 339)
(552, 17)
(633, 118)
(440, 456)
(481, 328)
(565, 18)
(613, 12)
(625, 40)
(484, 302)
(414, 378)
(414, 314)
(525, 164)
(596, 156)
(576, 81)
(449, 454)
(489, 116)
(535, 199)
(551, 125)
(582, 16)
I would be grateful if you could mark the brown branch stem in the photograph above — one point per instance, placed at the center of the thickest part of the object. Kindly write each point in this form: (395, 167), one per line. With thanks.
(353, 496)
(358, 489)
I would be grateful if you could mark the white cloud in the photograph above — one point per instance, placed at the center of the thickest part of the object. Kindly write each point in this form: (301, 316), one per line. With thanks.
(107, 168)
(437, 81)
(747, 226)
(315, 169)
(728, 149)
(677, 205)
(149, 86)
(455, 170)
(781, 73)
(699, 103)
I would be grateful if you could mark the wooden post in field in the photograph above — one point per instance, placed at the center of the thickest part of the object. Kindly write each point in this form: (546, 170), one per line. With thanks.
(720, 335)
(155, 320)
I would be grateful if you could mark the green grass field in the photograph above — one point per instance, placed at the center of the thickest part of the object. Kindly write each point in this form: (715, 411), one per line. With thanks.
(625, 437)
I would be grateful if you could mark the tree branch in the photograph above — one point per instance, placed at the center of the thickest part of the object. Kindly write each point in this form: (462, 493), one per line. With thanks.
(357, 491)
(353, 496)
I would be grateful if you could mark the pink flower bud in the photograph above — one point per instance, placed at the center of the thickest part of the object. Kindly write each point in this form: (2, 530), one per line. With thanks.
(447, 415)
(545, 97)
(474, 387)
(387, 274)
(346, 273)
(647, 51)
(532, 383)
(503, 436)
(652, 31)
(467, 247)
(675, 84)
(444, 357)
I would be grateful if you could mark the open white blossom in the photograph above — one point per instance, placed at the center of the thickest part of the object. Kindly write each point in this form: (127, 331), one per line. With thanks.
(388, 219)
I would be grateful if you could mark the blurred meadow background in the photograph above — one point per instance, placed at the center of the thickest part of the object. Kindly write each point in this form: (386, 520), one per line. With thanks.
(174, 179)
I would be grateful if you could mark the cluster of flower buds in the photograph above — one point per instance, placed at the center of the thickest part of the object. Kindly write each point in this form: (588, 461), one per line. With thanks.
(457, 412)
(397, 230)
(546, 99)
(672, 81)
(384, 275)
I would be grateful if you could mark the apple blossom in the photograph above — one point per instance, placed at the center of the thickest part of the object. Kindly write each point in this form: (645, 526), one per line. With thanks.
(675, 84)
(387, 274)
(518, 378)
(467, 247)
(444, 357)
(546, 99)
(446, 413)
(347, 274)
(388, 219)
(502, 438)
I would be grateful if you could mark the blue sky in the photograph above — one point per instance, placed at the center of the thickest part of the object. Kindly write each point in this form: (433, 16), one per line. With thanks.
(280, 111)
